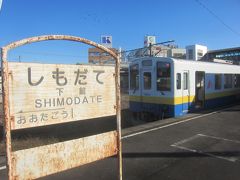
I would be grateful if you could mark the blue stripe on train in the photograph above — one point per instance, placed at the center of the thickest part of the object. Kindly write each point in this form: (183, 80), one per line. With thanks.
(158, 109)
(180, 109)
(221, 101)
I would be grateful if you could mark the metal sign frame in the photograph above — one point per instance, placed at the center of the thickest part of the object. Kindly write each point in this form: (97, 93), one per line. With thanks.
(5, 86)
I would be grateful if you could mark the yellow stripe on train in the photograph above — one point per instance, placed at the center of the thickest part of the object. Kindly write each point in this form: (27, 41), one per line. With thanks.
(222, 94)
(180, 100)
(162, 100)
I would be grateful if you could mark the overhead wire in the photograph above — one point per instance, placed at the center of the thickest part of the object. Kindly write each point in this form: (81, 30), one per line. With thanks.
(218, 18)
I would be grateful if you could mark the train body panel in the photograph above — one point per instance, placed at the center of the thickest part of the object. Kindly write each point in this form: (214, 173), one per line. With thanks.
(171, 87)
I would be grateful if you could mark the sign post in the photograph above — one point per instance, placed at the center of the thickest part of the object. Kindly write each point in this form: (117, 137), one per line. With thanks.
(39, 95)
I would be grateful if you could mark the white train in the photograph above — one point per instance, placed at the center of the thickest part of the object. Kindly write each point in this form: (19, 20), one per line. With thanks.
(172, 87)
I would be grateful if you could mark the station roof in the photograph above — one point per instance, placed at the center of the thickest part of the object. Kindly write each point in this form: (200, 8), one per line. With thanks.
(225, 50)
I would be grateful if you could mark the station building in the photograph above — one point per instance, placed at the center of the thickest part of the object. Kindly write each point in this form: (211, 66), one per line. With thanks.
(229, 54)
(195, 52)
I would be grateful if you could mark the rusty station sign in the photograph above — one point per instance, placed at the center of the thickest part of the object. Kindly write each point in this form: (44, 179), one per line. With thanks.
(42, 94)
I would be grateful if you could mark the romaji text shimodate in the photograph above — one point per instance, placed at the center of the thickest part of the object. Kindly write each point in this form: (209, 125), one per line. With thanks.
(67, 101)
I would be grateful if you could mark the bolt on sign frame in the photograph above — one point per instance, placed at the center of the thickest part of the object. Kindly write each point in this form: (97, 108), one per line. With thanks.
(53, 158)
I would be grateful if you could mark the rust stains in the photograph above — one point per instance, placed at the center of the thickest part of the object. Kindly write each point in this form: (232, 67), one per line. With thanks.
(59, 37)
(45, 160)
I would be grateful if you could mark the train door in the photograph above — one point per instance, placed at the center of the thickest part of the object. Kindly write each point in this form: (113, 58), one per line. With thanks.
(199, 89)
(146, 83)
(134, 80)
(134, 90)
(185, 92)
(146, 86)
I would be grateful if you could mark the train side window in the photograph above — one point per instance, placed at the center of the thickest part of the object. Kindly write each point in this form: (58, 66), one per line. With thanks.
(228, 81)
(178, 80)
(163, 76)
(218, 81)
(134, 77)
(185, 80)
(147, 77)
(237, 81)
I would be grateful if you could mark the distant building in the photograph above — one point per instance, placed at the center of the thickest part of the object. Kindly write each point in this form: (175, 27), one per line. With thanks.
(98, 56)
(153, 49)
(195, 52)
(178, 53)
(229, 54)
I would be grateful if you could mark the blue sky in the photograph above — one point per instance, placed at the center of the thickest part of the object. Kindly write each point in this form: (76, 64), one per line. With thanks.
(128, 21)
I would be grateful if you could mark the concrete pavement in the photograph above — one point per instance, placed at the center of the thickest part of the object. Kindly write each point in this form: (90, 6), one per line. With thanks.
(201, 146)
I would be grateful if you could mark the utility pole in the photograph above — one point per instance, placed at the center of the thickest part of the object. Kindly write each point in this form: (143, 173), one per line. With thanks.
(150, 49)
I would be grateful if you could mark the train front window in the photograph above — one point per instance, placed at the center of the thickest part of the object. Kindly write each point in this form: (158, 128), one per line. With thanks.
(163, 76)
(147, 63)
(134, 77)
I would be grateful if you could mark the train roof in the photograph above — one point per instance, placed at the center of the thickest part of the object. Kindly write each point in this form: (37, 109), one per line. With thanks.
(175, 60)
